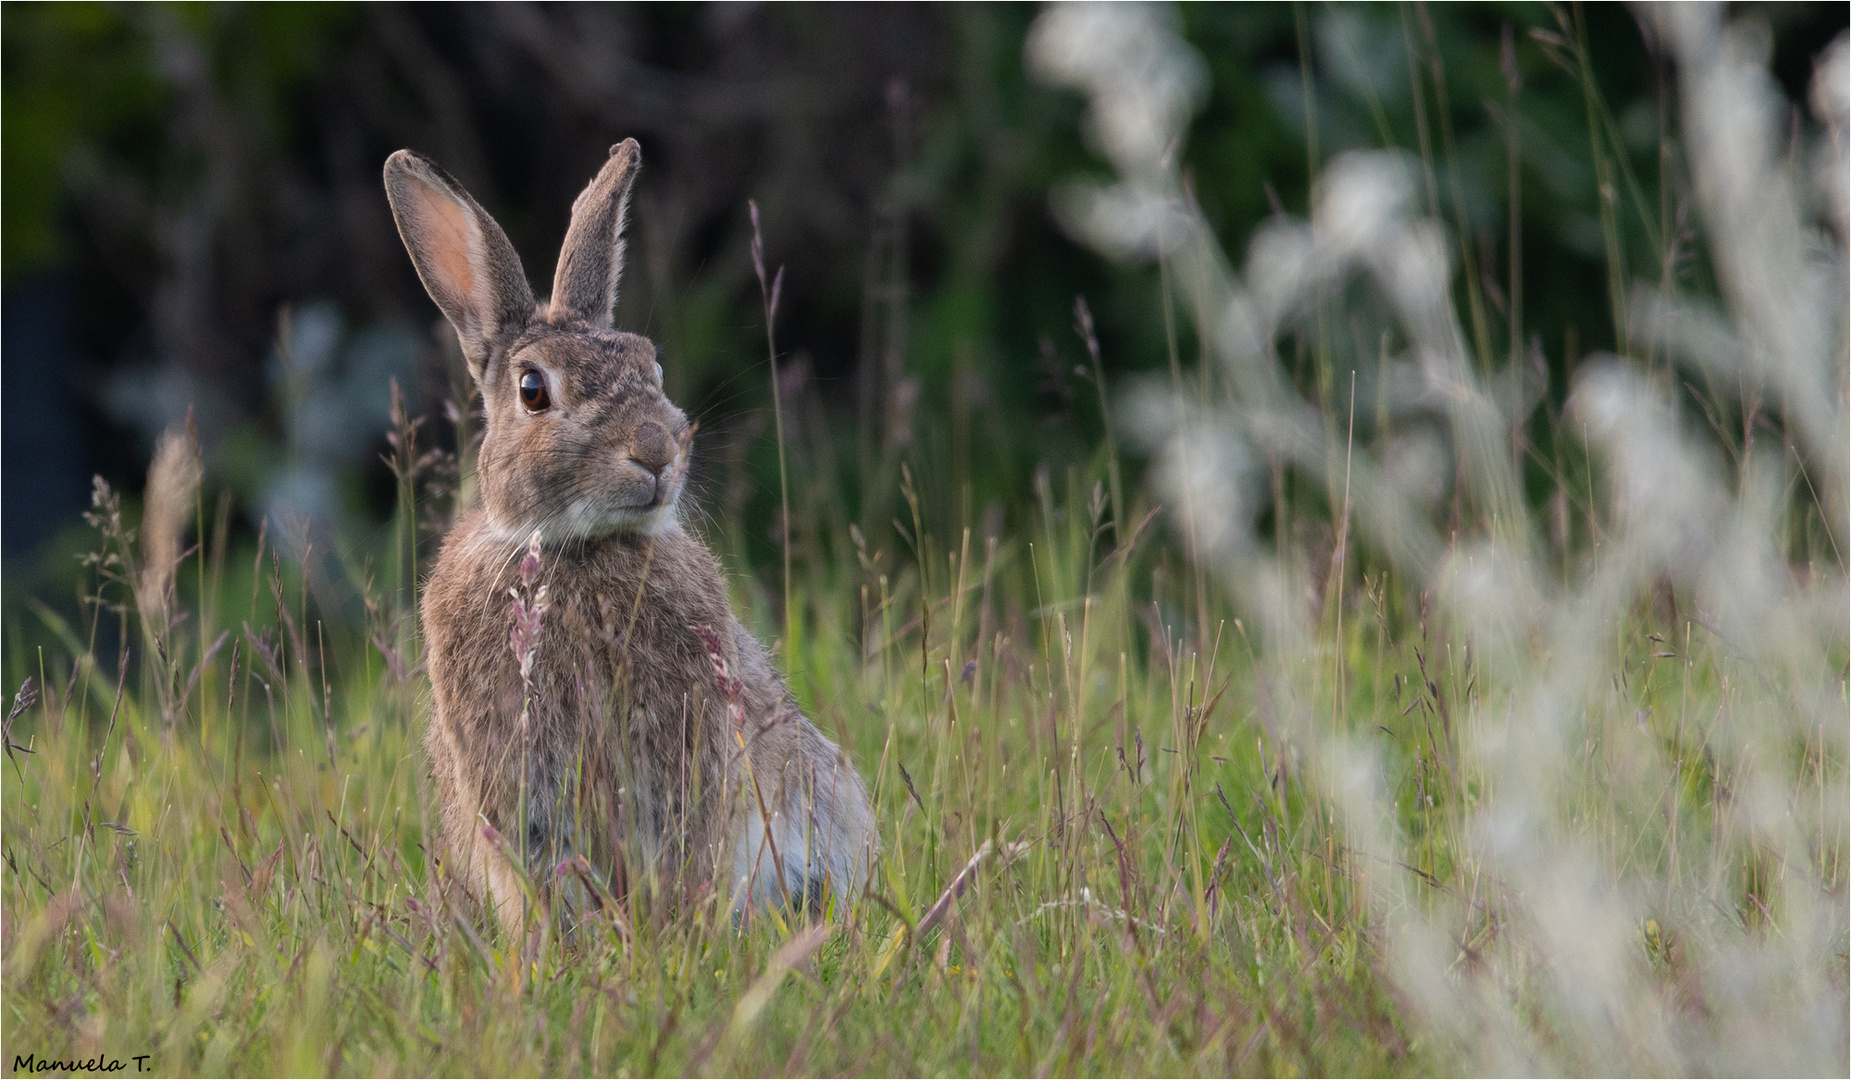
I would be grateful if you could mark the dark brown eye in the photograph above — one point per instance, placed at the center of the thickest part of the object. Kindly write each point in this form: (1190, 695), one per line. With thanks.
(533, 391)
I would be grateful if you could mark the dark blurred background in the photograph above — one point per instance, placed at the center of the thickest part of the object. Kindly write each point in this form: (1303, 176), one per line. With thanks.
(193, 216)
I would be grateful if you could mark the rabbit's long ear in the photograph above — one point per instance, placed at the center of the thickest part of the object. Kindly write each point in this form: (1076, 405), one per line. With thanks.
(585, 285)
(464, 258)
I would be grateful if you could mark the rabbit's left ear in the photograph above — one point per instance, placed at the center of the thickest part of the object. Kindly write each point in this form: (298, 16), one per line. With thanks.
(585, 285)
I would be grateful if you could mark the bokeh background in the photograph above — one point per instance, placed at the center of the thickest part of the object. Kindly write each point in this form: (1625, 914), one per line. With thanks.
(193, 218)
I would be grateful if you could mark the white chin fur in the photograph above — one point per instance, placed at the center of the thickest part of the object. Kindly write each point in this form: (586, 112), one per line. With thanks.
(586, 519)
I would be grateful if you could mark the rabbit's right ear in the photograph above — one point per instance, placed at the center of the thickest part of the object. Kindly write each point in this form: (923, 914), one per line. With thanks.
(463, 257)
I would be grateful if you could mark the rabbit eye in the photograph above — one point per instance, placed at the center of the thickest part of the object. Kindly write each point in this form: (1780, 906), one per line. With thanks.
(533, 391)
(658, 373)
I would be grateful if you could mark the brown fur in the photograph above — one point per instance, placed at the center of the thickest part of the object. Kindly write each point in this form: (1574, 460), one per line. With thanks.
(628, 752)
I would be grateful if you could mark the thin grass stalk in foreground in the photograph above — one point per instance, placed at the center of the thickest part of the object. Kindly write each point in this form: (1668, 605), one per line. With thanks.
(768, 295)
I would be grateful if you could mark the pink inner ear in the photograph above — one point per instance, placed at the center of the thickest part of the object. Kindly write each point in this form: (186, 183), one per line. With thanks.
(452, 239)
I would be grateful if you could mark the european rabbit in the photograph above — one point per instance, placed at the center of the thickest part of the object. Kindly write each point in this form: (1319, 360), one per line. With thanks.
(631, 740)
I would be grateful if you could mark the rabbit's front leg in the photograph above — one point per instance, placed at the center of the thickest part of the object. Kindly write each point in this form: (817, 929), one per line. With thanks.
(511, 836)
(564, 812)
(473, 845)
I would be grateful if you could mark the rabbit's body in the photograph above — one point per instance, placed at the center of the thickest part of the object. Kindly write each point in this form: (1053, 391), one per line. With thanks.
(630, 753)
(624, 742)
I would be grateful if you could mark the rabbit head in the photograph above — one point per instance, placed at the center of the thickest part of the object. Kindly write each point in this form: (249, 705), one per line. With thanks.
(579, 439)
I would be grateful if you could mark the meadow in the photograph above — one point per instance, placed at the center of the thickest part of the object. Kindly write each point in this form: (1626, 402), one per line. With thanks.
(1310, 750)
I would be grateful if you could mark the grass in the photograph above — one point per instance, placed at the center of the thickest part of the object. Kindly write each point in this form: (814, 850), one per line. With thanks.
(231, 876)
(1339, 799)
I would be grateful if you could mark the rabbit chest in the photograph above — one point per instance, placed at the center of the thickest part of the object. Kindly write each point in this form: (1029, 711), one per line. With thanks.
(614, 734)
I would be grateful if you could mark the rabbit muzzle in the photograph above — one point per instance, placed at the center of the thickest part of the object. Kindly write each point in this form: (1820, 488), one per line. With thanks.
(642, 488)
(652, 448)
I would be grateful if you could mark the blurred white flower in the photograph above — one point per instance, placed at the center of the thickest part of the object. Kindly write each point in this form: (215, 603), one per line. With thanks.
(1494, 593)
(1279, 265)
(1417, 465)
(1143, 82)
(1784, 285)
(1121, 220)
(1360, 198)
(1664, 493)
(1207, 472)
(1831, 102)
(1554, 778)
(1414, 266)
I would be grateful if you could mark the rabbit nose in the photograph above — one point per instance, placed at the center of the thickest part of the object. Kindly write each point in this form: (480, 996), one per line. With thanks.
(653, 449)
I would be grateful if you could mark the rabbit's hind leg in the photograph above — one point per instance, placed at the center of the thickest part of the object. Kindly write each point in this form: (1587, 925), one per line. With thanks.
(817, 844)
(768, 866)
